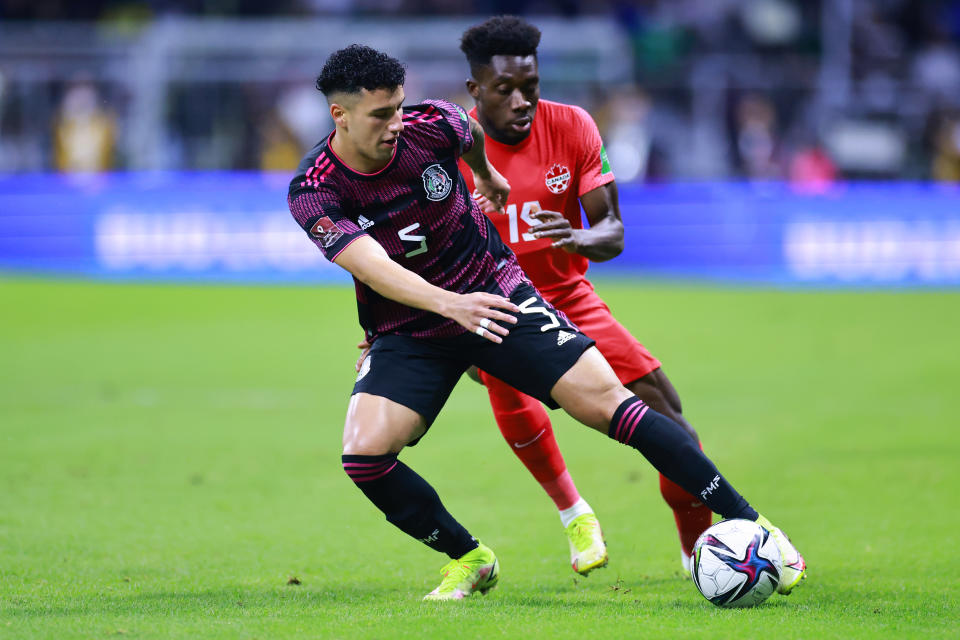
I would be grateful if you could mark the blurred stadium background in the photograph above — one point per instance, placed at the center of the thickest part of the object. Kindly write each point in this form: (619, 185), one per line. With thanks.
(755, 140)
(170, 454)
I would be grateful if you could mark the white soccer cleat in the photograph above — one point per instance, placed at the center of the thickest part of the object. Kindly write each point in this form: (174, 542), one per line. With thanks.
(794, 567)
(588, 551)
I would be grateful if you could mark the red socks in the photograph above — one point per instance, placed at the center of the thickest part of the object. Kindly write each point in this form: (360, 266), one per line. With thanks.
(692, 516)
(526, 427)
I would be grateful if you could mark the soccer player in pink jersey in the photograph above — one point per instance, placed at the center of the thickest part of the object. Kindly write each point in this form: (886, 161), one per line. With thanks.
(438, 291)
(554, 160)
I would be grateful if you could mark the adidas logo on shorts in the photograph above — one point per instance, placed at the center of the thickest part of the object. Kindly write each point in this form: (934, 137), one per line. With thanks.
(564, 336)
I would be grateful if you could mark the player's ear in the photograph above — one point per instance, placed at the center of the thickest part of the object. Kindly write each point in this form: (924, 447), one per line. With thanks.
(338, 113)
(473, 88)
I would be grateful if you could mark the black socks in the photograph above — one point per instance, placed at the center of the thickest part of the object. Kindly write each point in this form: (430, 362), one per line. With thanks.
(677, 455)
(409, 502)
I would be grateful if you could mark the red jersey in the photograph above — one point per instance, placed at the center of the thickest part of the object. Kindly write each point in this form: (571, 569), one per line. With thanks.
(562, 159)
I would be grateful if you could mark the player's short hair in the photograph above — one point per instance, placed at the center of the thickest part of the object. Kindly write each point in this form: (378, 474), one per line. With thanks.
(359, 67)
(499, 36)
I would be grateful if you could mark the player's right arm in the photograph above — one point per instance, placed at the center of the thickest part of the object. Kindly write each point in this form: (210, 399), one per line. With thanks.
(367, 261)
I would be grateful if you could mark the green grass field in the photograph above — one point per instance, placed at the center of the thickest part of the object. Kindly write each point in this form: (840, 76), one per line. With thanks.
(170, 461)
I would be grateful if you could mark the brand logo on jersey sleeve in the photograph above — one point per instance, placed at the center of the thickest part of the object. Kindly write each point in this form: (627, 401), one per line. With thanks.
(436, 182)
(326, 231)
(558, 178)
(365, 223)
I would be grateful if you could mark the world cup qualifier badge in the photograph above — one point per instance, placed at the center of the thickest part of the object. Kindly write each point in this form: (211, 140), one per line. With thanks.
(436, 182)
(326, 231)
(558, 178)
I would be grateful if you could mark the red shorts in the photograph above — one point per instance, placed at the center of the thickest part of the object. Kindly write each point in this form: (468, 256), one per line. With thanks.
(630, 359)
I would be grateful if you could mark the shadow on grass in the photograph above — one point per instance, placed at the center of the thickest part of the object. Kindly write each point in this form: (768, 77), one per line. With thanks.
(612, 596)
(240, 600)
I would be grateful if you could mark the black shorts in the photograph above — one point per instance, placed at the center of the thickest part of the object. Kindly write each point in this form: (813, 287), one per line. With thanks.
(420, 373)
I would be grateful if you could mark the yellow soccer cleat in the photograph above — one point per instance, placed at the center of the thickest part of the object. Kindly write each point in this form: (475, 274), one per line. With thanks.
(794, 567)
(588, 551)
(476, 570)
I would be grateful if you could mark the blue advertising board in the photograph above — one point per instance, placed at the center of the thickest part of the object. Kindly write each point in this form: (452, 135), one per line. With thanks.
(235, 227)
(889, 234)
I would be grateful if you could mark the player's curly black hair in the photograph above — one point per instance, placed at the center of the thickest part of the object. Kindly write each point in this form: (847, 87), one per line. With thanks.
(358, 67)
(499, 36)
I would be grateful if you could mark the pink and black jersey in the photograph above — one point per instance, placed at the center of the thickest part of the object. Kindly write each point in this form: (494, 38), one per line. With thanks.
(418, 208)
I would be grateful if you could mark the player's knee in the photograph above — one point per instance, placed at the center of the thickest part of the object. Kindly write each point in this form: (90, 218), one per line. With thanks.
(614, 396)
(606, 401)
(360, 444)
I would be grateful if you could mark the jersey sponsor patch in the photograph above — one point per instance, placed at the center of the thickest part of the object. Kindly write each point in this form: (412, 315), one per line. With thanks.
(326, 231)
(604, 162)
(436, 182)
(558, 178)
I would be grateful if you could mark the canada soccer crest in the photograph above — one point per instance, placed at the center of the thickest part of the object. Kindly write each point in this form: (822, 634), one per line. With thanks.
(436, 182)
(558, 178)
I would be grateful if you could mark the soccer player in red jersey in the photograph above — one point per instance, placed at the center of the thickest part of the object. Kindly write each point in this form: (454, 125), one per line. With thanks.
(438, 291)
(554, 160)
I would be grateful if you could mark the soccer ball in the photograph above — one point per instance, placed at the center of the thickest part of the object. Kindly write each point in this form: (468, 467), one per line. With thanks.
(736, 563)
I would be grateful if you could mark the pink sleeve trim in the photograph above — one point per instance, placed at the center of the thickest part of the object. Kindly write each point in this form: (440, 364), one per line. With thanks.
(354, 239)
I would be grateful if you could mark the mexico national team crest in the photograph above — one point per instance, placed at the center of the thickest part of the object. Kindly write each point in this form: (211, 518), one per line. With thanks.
(436, 182)
(558, 178)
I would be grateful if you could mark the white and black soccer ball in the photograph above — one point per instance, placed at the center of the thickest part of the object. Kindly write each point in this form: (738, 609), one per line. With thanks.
(736, 563)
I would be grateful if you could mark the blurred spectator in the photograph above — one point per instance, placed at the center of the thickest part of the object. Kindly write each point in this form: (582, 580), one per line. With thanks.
(812, 170)
(279, 148)
(936, 70)
(303, 111)
(873, 80)
(755, 137)
(84, 132)
(946, 159)
(628, 138)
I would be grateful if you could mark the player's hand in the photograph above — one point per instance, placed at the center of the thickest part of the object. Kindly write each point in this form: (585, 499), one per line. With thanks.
(365, 346)
(485, 205)
(480, 313)
(556, 227)
(493, 188)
